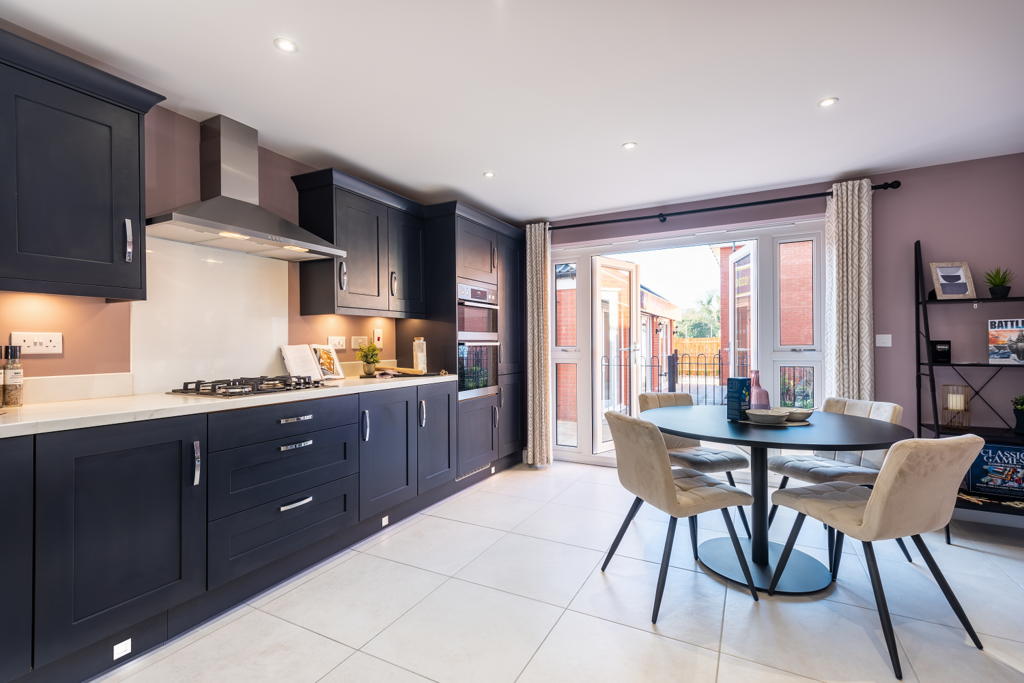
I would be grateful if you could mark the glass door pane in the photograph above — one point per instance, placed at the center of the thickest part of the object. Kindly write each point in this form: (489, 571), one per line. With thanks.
(567, 422)
(743, 311)
(795, 354)
(615, 344)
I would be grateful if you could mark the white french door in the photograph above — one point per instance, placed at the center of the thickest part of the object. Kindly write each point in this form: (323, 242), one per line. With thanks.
(615, 334)
(796, 345)
(742, 309)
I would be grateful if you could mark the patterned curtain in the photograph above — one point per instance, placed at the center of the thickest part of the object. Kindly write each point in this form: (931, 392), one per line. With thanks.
(849, 327)
(538, 344)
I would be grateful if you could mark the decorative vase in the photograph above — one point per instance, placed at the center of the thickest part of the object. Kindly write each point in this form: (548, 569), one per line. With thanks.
(999, 292)
(369, 369)
(758, 395)
(1019, 414)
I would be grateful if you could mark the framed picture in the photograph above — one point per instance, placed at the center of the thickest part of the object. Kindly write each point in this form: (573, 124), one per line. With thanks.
(327, 359)
(953, 280)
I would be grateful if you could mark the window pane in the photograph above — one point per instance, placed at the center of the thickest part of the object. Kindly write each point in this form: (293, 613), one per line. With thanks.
(566, 420)
(565, 304)
(613, 339)
(796, 293)
(796, 386)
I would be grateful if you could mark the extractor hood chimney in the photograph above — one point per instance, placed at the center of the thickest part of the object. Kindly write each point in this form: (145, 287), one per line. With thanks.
(229, 215)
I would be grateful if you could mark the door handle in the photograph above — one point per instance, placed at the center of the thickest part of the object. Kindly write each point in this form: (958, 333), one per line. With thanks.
(495, 413)
(394, 283)
(129, 244)
(301, 418)
(366, 429)
(501, 397)
(342, 275)
(286, 508)
(199, 463)
(494, 257)
(297, 445)
(423, 413)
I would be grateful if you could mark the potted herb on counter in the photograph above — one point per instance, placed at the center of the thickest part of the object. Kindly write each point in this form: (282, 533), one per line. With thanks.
(998, 281)
(1018, 412)
(369, 355)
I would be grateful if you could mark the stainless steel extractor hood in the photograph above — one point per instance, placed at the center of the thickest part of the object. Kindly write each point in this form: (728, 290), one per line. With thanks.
(229, 215)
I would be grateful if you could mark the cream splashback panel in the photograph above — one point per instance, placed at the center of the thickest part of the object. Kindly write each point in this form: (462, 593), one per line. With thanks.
(208, 314)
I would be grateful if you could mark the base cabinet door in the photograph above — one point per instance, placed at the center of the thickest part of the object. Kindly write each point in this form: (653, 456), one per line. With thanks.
(436, 437)
(15, 557)
(478, 433)
(120, 528)
(387, 449)
(510, 411)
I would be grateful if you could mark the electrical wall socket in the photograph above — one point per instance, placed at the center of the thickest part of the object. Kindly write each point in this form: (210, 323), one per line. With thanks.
(356, 341)
(384, 520)
(123, 648)
(337, 343)
(32, 343)
(378, 338)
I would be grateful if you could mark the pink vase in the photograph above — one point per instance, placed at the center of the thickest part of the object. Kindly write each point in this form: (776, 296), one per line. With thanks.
(758, 395)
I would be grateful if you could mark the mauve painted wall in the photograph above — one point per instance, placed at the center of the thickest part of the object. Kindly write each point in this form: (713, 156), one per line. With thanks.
(969, 211)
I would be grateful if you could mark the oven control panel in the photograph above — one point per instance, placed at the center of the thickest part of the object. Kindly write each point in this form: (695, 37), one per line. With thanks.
(477, 293)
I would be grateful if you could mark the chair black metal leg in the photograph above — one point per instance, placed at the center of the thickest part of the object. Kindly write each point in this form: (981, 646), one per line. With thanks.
(693, 535)
(947, 536)
(739, 553)
(903, 547)
(622, 531)
(883, 609)
(838, 554)
(743, 515)
(831, 546)
(787, 550)
(946, 590)
(664, 567)
(775, 508)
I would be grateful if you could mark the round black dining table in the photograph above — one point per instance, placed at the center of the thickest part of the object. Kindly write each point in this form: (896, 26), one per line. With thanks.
(827, 432)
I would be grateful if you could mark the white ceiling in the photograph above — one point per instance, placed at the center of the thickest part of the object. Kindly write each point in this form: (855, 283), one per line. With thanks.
(424, 96)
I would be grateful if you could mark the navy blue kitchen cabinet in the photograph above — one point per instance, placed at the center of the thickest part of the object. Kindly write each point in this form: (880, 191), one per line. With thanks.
(120, 531)
(478, 433)
(511, 408)
(477, 251)
(15, 557)
(388, 472)
(436, 440)
(511, 300)
(71, 175)
(405, 263)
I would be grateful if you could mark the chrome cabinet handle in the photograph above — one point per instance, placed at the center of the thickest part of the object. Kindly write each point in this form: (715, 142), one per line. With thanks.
(366, 429)
(501, 397)
(495, 413)
(500, 355)
(199, 463)
(342, 275)
(394, 283)
(286, 508)
(423, 413)
(297, 445)
(494, 257)
(129, 244)
(301, 418)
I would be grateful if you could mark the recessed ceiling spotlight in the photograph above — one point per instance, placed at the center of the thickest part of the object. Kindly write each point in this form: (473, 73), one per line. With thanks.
(628, 145)
(285, 45)
(828, 101)
(488, 174)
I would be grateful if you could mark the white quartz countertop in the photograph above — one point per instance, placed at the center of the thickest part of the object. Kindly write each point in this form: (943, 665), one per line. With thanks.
(40, 418)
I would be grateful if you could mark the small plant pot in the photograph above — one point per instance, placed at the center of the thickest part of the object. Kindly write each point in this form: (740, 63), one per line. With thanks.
(1019, 414)
(999, 292)
(369, 369)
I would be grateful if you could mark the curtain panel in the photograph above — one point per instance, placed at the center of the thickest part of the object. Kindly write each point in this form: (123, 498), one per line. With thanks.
(849, 324)
(538, 345)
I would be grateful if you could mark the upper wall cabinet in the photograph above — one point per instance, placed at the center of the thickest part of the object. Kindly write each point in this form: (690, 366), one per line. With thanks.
(71, 176)
(383, 236)
(477, 252)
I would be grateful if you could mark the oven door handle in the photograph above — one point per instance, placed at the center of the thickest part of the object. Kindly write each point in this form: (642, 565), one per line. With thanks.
(476, 304)
(479, 343)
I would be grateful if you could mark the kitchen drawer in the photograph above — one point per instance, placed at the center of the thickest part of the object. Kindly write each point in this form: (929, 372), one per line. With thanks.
(245, 477)
(235, 428)
(248, 540)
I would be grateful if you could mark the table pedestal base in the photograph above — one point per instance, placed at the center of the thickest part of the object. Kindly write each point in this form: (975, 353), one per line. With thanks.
(803, 574)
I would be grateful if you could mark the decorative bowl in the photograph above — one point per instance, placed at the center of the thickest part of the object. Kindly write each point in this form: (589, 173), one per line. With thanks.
(799, 414)
(771, 416)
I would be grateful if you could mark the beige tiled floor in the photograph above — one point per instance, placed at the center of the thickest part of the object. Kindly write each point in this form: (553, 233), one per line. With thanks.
(502, 583)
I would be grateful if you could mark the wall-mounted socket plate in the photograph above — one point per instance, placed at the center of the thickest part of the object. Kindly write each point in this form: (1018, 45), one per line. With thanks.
(337, 343)
(123, 648)
(384, 520)
(356, 341)
(34, 343)
(378, 338)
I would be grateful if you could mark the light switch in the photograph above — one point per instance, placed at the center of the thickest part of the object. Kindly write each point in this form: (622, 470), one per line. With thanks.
(337, 343)
(883, 340)
(378, 338)
(123, 648)
(356, 341)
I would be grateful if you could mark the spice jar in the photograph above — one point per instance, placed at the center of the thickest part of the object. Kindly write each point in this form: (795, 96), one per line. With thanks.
(419, 354)
(13, 376)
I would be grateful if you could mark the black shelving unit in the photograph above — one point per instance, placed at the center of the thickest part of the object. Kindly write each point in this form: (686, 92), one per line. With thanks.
(926, 368)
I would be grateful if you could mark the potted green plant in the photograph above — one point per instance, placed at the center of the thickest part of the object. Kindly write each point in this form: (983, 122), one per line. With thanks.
(998, 281)
(1018, 412)
(369, 355)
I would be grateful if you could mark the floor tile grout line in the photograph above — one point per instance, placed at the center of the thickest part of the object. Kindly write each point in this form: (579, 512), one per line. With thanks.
(543, 640)
(773, 668)
(381, 659)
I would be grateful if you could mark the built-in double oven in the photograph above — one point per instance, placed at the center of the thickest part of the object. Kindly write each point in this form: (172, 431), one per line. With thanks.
(479, 349)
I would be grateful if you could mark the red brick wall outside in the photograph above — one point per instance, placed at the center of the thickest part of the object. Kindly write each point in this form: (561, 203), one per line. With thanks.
(565, 335)
(723, 261)
(796, 293)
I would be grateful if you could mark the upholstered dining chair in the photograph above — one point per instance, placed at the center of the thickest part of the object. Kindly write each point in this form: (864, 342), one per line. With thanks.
(645, 471)
(856, 467)
(914, 493)
(690, 454)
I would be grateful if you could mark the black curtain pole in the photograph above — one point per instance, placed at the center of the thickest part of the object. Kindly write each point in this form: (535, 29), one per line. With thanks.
(662, 216)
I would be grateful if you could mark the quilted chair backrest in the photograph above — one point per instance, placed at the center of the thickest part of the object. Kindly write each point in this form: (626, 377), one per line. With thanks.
(916, 489)
(876, 410)
(652, 400)
(642, 461)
